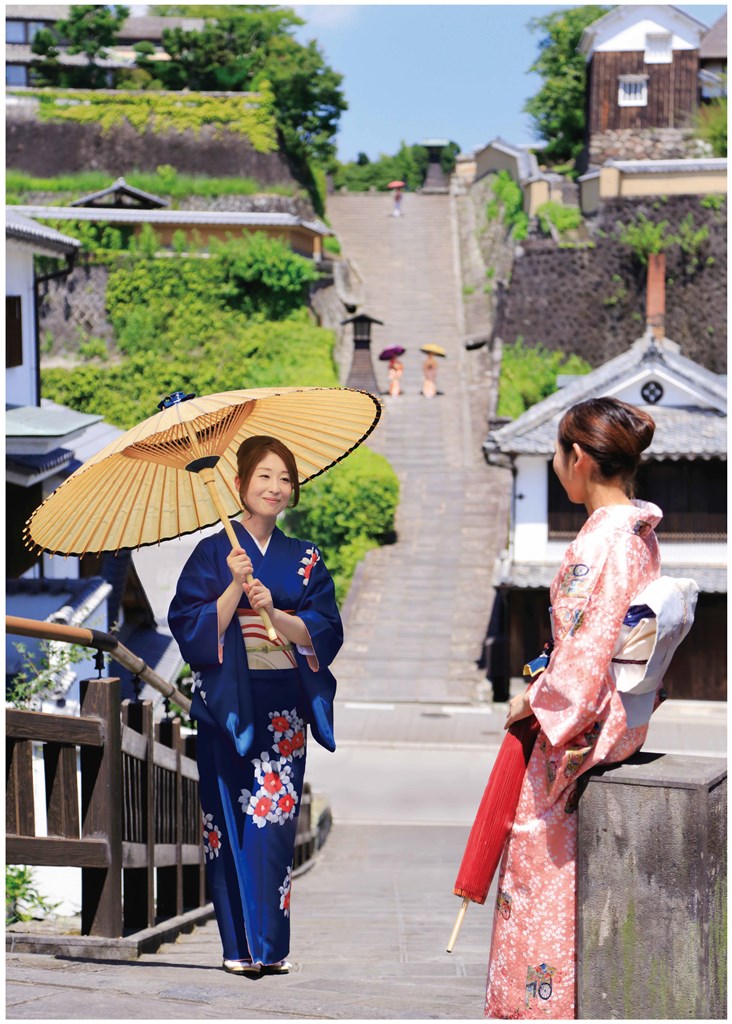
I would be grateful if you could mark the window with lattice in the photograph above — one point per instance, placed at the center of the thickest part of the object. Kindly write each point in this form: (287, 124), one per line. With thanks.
(633, 90)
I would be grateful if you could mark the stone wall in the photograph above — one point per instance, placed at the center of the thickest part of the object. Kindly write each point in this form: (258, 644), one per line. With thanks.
(47, 149)
(646, 144)
(592, 301)
(72, 309)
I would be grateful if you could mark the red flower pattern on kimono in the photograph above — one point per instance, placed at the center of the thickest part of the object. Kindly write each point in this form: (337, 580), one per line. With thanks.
(211, 836)
(312, 557)
(276, 798)
(285, 893)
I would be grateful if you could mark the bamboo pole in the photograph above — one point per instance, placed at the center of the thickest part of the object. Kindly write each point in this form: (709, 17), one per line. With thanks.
(207, 475)
(458, 924)
(101, 642)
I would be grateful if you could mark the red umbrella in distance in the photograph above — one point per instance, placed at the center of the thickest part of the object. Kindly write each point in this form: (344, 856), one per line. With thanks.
(396, 184)
(497, 809)
(392, 352)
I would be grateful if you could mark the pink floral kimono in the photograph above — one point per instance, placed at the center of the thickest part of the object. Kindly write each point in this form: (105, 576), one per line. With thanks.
(531, 973)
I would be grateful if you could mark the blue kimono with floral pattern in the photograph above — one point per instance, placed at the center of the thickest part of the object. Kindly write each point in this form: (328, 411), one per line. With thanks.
(252, 721)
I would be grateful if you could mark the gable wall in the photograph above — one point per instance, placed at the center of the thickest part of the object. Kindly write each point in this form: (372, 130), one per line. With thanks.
(672, 91)
(21, 381)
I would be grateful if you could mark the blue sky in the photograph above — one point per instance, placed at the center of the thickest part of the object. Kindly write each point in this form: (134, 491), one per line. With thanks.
(414, 71)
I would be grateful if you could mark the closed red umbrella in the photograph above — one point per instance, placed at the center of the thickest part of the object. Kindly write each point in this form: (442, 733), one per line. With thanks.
(497, 810)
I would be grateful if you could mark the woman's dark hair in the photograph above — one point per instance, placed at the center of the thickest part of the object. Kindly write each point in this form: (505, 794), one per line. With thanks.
(612, 432)
(250, 454)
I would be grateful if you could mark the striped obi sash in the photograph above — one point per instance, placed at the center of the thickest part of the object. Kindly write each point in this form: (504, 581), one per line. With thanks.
(264, 654)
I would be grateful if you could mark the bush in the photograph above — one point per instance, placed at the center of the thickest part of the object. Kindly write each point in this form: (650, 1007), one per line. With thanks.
(564, 218)
(200, 350)
(510, 199)
(710, 124)
(93, 348)
(529, 374)
(347, 511)
(644, 237)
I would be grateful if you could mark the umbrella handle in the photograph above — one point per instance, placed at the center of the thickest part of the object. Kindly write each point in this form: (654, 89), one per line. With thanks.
(458, 924)
(208, 478)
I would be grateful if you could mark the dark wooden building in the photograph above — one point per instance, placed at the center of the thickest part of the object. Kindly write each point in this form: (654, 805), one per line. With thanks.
(643, 75)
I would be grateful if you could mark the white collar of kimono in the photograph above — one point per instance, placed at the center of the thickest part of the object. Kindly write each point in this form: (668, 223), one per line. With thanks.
(262, 547)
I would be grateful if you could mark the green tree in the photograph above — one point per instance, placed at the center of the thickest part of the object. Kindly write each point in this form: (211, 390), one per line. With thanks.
(558, 108)
(89, 30)
(247, 49)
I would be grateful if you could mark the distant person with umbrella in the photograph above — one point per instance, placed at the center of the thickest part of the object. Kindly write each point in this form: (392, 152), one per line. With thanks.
(582, 717)
(396, 187)
(429, 369)
(254, 698)
(395, 370)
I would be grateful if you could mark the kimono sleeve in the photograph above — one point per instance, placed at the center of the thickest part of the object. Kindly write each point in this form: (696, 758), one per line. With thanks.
(193, 615)
(319, 611)
(592, 598)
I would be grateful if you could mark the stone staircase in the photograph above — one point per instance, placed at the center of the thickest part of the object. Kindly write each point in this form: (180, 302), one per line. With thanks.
(418, 610)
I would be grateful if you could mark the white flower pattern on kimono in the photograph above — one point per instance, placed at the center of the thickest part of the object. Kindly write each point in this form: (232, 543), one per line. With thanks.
(308, 564)
(211, 836)
(197, 684)
(276, 798)
(285, 892)
(289, 733)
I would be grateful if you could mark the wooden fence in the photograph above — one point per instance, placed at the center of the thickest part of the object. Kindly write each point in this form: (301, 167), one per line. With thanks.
(135, 827)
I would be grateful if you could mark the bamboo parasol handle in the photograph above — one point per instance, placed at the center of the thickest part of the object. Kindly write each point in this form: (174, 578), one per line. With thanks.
(458, 924)
(207, 475)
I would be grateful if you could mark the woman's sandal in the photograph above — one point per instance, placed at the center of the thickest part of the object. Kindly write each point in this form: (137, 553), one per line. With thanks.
(281, 967)
(242, 967)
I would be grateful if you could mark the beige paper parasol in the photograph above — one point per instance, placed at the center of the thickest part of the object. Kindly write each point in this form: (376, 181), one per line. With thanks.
(174, 473)
(432, 349)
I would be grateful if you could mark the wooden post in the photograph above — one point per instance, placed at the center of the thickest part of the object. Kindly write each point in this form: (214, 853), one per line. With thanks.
(101, 791)
(62, 793)
(170, 879)
(139, 883)
(19, 789)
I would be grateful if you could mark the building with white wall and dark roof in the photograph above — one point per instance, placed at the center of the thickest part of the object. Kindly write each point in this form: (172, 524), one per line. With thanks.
(45, 442)
(683, 471)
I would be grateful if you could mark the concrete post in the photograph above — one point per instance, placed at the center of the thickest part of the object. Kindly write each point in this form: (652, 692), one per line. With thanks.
(651, 890)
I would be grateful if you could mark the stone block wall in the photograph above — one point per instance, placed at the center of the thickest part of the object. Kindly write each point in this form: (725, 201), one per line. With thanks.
(651, 890)
(592, 301)
(47, 149)
(646, 144)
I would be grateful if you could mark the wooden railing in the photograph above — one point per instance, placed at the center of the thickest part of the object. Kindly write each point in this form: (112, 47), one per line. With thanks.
(137, 813)
(134, 827)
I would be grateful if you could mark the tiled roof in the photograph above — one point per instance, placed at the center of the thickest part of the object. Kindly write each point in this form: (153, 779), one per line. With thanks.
(37, 12)
(704, 164)
(121, 188)
(714, 44)
(31, 421)
(712, 579)
(123, 216)
(158, 649)
(681, 431)
(31, 468)
(527, 162)
(25, 230)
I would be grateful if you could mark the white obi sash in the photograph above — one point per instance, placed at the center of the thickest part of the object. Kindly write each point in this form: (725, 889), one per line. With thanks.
(658, 619)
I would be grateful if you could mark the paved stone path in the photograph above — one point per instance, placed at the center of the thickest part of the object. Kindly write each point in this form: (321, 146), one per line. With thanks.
(419, 611)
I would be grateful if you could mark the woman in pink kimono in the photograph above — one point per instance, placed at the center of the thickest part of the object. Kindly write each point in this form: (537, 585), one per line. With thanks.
(531, 973)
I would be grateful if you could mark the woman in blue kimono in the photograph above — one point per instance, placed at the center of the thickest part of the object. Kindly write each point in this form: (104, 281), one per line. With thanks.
(253, 699)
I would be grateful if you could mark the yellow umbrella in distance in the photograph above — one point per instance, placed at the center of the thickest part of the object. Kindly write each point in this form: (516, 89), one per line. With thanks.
(174, 473)
(432, 349)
